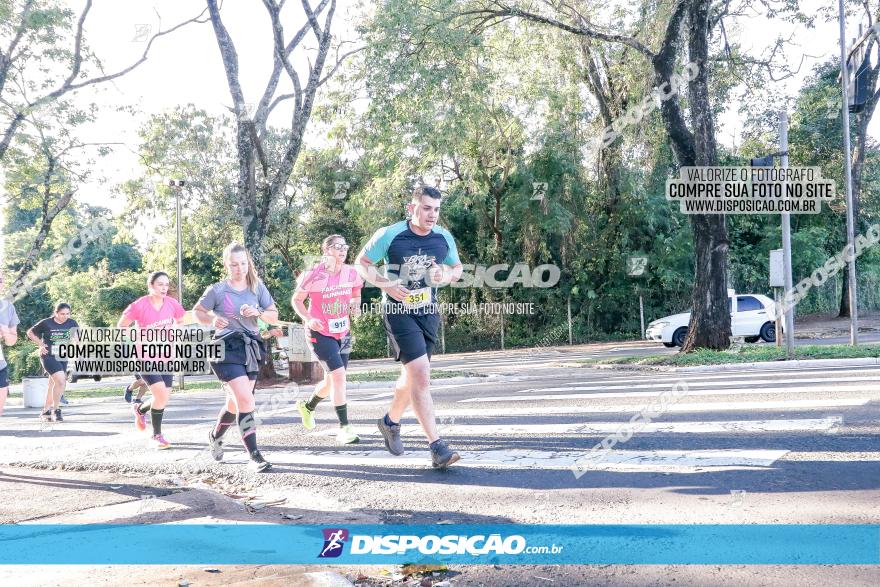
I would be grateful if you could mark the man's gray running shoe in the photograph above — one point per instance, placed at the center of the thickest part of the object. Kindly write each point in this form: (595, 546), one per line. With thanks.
(391, 434)
(442, 456)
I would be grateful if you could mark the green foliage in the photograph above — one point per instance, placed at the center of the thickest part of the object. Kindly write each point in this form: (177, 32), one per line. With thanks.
(369, 337)
(486, 114)
(23, 359)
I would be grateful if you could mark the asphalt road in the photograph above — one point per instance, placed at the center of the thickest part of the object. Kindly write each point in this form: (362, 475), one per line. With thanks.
(781, 446)
(494, 361)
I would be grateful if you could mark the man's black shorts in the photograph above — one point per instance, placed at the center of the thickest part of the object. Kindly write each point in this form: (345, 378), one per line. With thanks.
(412, 335)
(4, 378)
(332, 353)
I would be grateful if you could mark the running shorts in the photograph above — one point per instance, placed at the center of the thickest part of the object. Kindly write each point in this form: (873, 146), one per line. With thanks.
(412, 335)
(234, 363)
(52, 365)
(152, 378)
(332, 353)
(4, 377)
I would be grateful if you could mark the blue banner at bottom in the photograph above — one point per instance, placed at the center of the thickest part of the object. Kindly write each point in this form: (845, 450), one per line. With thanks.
(199, 544)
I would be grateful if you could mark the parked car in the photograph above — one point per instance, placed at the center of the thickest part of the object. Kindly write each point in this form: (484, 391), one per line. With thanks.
(751, 316)
(74, 376)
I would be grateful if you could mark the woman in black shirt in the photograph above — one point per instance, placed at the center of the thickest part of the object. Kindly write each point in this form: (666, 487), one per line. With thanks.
(45, 333)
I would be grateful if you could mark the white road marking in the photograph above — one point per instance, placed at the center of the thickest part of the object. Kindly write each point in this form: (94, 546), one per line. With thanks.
(829, 386)
(672, 378)
(680, 407)
(647, 460)
(722, 426)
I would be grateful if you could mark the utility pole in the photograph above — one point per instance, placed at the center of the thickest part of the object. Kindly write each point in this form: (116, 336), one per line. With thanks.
(786, 239)
(847, 158)
(176, 185)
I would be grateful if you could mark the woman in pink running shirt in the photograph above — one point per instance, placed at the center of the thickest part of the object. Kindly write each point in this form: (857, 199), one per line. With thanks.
(334, 293)
(155, 310)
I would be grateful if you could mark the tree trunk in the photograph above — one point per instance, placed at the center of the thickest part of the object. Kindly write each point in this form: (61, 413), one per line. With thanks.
(844, 294)
(49, 213)
(863, 119)
(710, 319)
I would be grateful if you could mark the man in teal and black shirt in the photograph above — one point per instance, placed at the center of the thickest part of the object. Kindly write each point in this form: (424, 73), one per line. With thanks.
(419, 256)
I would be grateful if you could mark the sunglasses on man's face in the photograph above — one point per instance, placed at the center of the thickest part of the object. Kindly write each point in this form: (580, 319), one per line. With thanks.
(339, 246)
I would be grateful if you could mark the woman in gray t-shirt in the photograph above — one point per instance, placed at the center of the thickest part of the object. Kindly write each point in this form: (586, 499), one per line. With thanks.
(8, 334)
(233, 306)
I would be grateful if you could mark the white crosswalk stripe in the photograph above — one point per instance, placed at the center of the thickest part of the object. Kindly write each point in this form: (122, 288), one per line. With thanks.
(725, 426)
(690, 392)
(699, 381)
(658, 460)
(566, 426)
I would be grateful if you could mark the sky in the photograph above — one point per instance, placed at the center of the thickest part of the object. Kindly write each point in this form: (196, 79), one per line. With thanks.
(186, 67)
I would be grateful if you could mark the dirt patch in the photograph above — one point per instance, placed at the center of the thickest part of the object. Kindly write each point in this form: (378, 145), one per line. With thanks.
(830, 326)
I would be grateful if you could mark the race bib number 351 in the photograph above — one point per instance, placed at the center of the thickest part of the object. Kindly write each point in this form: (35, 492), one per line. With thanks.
(338, 325)
(418, 298)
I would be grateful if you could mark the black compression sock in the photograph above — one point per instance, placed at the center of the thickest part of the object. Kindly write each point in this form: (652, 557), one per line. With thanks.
(248, 428)
(224, 421)
(313, 402)
(156, 419)
(342, 414)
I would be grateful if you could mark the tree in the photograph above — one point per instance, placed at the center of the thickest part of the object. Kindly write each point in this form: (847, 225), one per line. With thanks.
(686, 29)
(42, 176)
(256, 194)
(34, 34)
(859, 124)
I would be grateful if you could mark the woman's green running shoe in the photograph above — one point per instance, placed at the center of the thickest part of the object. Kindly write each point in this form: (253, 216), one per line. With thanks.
(307, 415)
(347, 435)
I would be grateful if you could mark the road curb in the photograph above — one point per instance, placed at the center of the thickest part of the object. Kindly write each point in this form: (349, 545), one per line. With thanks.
(758, 366)
(383, 384)
(364, 385)
(796, 364)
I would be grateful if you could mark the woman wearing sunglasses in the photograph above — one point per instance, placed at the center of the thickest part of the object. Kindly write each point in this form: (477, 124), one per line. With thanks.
(334, 293)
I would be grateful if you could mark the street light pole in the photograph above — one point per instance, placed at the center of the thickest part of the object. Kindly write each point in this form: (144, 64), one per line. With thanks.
(786, 239)
(847, 158)
(177, 184)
